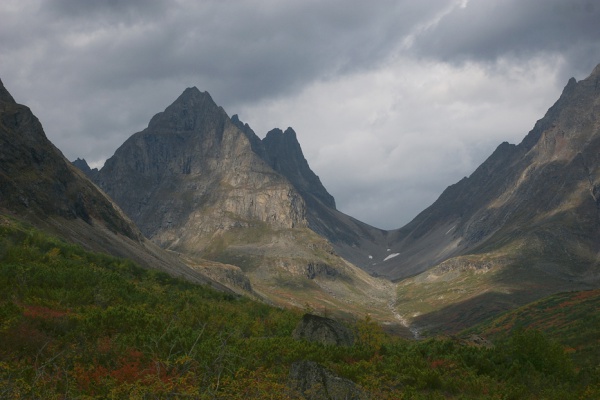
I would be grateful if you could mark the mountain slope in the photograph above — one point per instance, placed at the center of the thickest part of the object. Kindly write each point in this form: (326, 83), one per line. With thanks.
(35, 179)
(39, 186)
(570, 318)
(549, 180)
(524, 225)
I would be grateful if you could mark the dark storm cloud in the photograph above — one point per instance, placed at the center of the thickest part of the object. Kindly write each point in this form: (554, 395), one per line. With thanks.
(490, 30)
(241, 50)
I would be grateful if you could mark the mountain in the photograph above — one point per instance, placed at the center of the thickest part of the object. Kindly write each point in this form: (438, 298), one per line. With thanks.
(549, 180)
(36, 180)
(39, 186)
(193, 157)
(206, 186)
(525, 224)
(285, 156)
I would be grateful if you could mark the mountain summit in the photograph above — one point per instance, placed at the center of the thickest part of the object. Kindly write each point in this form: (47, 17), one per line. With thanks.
(285, 157)
(193, 111)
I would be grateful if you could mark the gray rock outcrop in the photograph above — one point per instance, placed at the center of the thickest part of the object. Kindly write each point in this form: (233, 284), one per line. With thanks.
(476, 341)
(315, 382)
(323, 330)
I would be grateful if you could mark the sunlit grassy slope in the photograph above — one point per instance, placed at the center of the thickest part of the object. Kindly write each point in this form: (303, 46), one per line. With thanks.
(465, 290)
(298, 268)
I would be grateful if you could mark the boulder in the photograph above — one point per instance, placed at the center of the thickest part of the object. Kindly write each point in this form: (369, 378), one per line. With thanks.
(314, 382)
(323, 330)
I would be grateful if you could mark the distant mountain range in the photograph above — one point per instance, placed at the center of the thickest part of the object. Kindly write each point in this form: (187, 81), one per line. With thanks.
(220, 205)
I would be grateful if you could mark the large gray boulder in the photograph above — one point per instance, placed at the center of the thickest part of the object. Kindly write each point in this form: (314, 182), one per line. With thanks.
(315, 382)
(323, 330)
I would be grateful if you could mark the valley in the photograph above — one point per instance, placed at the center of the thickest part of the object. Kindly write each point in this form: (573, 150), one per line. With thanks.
(197, 207)
(205, 186)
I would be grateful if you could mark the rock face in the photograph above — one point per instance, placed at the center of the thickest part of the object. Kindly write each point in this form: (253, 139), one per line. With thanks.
(285, 156)
(476, 341)
(192, 173)
(314, 328)
(543, 193)
(314, 382)
(85, 168)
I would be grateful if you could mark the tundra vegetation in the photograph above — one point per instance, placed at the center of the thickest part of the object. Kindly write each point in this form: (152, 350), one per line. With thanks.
(75, 324)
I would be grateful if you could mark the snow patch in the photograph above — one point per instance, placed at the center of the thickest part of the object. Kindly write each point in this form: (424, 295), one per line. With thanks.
(391, 256)
(450, 230)
(371, 257)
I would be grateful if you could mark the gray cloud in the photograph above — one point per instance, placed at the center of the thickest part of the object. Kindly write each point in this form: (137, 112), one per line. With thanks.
(490, 30)
(392, 100)
(242, 50)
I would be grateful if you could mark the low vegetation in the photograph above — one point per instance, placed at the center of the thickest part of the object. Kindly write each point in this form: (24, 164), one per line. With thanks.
(75, 324)
(570, 318)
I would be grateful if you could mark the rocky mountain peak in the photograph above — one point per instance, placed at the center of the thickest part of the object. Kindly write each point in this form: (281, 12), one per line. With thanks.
(290, 134)
(194, 172)
(192, 96)
(82, 164)
(277, 134)
(286, 157)
(5, 97)
(255, 141)
(85, 168)
(236, 120)
(192, 111)
(287, 138)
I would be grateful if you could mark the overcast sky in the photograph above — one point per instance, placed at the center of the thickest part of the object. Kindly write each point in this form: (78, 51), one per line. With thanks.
(392, 101)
